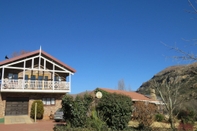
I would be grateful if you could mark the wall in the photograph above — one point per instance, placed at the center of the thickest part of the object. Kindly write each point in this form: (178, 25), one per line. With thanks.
(32, 97)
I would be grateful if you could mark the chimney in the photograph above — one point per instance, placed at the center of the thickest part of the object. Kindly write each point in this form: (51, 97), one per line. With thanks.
(152, 94)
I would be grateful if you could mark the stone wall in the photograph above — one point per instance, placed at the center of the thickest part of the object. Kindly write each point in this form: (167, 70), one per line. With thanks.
(48, 109)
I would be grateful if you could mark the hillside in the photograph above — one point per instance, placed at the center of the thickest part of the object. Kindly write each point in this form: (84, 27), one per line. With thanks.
(186, 74)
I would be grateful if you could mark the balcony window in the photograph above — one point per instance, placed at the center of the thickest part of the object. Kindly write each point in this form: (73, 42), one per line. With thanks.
(33, 77)
(48, 101)
(57, 78)
(12, 76)
(26, 77)
(33, 83)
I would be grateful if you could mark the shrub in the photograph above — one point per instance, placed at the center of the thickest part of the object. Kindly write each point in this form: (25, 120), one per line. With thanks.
(40, 109)
(75, 111)
(159, 117)
(144, 113)
(185, 127)
(96, 123)
(115, 110)
(186, 116)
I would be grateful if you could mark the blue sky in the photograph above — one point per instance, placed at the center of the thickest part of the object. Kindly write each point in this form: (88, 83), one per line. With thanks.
(104, 40)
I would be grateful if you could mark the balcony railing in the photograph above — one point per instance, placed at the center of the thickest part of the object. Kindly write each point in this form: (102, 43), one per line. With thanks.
(19, 84)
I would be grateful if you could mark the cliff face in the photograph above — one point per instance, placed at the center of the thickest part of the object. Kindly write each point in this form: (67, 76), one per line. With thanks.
(185, 75)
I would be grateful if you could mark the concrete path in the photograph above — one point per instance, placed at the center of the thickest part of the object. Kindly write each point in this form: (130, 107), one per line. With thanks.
(17, 119)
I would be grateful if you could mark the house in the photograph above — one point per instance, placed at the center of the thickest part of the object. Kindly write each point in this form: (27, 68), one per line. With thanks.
(33, 76)
(137, 97)
(133, 95)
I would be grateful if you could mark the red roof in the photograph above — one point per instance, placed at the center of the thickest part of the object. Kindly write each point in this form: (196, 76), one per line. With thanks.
(29, 54)
(134, 95)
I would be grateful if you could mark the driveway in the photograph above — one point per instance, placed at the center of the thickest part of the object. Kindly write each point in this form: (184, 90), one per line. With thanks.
(40, 125)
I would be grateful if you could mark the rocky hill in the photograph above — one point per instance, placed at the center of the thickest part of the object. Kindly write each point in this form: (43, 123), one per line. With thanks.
(186, 74)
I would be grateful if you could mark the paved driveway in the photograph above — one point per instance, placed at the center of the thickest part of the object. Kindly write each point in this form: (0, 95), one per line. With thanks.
(42, 125)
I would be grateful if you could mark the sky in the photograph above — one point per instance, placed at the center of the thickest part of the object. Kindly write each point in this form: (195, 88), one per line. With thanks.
(104, 40)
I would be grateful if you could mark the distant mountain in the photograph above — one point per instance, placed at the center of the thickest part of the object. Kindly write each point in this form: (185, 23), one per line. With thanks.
(186, 74)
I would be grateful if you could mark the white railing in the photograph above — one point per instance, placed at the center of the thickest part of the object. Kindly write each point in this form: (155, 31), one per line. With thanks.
(34, 84)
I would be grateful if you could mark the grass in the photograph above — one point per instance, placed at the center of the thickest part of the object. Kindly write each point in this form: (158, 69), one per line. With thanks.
(159, 125)
(154, 125)
(195, 125)
(1, 120)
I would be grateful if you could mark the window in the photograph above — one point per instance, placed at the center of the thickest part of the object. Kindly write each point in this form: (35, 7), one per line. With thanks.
(40, 77)
(46, 78)
(48, 101)
(57, 78)
(26, 77)
(33, 77)
(12, 76)
(33, 84)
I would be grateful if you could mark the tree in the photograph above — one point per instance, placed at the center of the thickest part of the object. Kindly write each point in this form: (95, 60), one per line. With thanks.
(169, 91)
(115, 110)
(40, 109)
(14, 54)
(76, 110)
(121, 85)
(193, 7)
(184, 54)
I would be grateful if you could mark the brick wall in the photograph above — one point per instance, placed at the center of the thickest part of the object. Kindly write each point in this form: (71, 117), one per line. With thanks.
(33, 96)
(2, 106)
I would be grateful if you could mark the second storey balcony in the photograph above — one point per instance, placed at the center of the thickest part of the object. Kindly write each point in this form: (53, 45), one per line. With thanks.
(35, 72)
(20, 85)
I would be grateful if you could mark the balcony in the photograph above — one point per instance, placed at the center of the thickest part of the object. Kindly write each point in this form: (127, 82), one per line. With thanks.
(19, 85)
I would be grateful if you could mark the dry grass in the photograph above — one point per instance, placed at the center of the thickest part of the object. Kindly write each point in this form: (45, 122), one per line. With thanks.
(154, 125)
(195, 126)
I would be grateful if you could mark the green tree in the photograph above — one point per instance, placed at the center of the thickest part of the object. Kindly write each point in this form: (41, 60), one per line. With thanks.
(76, 110)
(115, 110)
(40, 109)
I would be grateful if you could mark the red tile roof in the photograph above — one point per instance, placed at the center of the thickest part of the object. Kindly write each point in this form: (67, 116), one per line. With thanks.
(134, 95)
(29, 54)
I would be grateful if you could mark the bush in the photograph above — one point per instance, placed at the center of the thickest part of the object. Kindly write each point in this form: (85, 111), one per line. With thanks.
(75, 111)
(159, 117)
(115, 110)
(186, 116)
(68, 128)
(40, 109)
(96, 123)
(185, 127)
(144, 113)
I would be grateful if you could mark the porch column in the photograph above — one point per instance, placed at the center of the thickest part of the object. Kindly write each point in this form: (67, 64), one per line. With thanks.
(39, 62)
(2, 76)
(23, 83)
(70, 82)
(32, 63)
(53, 75)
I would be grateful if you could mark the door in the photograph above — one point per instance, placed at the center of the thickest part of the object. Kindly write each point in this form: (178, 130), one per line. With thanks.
(16, 106)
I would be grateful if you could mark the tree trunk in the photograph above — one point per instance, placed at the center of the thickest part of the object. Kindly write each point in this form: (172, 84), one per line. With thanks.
(172, 122)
